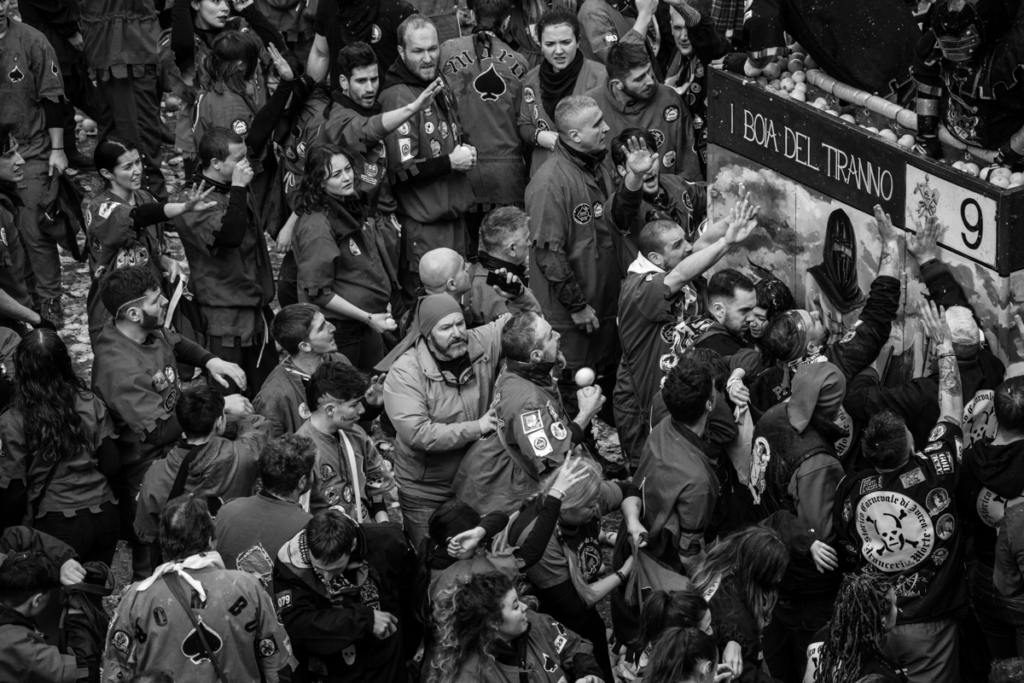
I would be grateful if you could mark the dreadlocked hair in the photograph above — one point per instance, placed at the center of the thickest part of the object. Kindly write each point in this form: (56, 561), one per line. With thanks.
(46, 389)
(464, 617)
(857, 627)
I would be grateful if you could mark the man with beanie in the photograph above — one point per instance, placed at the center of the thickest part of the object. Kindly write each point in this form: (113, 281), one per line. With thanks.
(980, 370)
(900, 518)
(135, 372)
(438, 394)
(427, 156)
(800, 337)
(535, 432)
(991, 482)
(794, 473)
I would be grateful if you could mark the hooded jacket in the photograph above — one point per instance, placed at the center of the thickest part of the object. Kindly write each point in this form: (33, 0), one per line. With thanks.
(992, 480)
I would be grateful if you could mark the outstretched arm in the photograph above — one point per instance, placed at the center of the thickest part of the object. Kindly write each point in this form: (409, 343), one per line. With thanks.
(951, 394)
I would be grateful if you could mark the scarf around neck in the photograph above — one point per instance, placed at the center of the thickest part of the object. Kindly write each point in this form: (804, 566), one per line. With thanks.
(555, 85)
(210, 558)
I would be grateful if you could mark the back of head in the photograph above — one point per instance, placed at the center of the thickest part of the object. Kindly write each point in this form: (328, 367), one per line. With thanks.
(519, 336)
(724, 283)
(774, 296)
(451, 519)
(623, 58)
(964, 332)
(284, 461)
(292, 326)
(756, 558)
(340, 381)
(124, 285)
(663, 610)
(858, 622)
(785, 336)
(687, 389)
(1007, 671)
(1009, 400)
(570, 112)
(464, 615)
(619, 144)
(500, 226)
(718, 365)
(331, 535)
(558, 16)
(440, 265)
(198, 409)
(412, 22)
(234, 57)
(25, 574)
(884, 441)
(654, 236)
(216, 145)
(681, 654)
(490, 13)
(358, 55)
(186, 527)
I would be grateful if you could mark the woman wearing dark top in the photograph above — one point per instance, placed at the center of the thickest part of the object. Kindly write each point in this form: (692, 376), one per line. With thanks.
(851, 645)
(662, 611)
(740, 579)
(685, 655)
(58, 440)
(342, 257)
(566, 577)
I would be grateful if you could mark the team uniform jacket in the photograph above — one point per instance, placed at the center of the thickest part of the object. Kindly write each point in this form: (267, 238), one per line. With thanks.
(28, 658)
(140, 385)
(489, 89)
(486, 305)
(565, 203)
(904, 524)
(334, 482)
(151, 630)
(602, 26)
(251, 530)
(436, 424)
(532, 438)
(113, 243)
(77, 484)
(665, 116)
(991, 482)
(113, 47)
(443, 199)
(547, 653)
(360, 132)
(29, 74)
(225, 468)
(282, 398)
(533, 116)
(224, 108)
(231, 284)
(304, 134)
(331, 625)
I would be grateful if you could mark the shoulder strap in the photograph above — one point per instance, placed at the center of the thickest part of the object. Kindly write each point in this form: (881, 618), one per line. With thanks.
(178, 488)
(174, 583)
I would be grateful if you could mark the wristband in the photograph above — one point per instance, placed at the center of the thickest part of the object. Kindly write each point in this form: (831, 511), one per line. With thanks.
(622, 577)
(554, 489)
(57, 149)
(948, 354)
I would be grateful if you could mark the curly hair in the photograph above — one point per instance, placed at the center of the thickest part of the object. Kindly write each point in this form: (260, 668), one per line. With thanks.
(45, 392)
(464, 617)
(857, 627)
(312, 191)
(755, 558)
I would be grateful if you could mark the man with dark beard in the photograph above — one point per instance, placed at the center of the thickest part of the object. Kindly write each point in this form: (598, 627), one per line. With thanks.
(632, 98)
(135, 372)
(427, 156)
(345, 22)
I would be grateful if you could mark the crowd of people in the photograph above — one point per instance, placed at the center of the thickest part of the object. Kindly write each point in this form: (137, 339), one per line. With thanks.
(378, 461)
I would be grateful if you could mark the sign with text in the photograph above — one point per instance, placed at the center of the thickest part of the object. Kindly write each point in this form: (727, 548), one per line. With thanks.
(968, 218)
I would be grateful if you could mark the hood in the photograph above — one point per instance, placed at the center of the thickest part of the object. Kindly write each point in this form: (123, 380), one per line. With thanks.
(295, 556)
(999, 468)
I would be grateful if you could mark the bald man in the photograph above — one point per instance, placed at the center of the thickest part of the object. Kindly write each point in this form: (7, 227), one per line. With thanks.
(573, 269)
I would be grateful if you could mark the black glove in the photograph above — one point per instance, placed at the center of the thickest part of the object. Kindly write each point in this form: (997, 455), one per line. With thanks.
(1008, 157)
(734, 62)
(930, 147)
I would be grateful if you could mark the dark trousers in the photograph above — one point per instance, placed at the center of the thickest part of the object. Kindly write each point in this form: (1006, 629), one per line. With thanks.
(131, 110)
(586, 623)
(287, 281)
(93, 535)
(256, 362)
(795, 620)
(363, 347)
(1000, 619)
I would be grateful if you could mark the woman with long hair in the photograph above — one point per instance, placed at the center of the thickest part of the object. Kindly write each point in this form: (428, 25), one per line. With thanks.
(740, 579)
(485, 632)
(851, 645)
(567, 579)
(663, 610)
(564, 72)
(342, 257)
(125, 224)
(58, 437)
(685, 655)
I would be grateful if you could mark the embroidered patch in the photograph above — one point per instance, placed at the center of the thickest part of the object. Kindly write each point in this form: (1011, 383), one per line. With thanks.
(598, 209)
(939, 556)
(671, 113)
(869, 484)
(542, 124)
(346, 494)
(435, 148)
(300, 149)
(240, 126)
(353, 247)
(349, 655)
(444, 130)
(317, 666)
(53, 68)
(405, 148)
(240, 604)
(549, 664)
(659, 137)
(160, 616)
(540, 444)
(559, 431)
(107, 208)
(531, 421)
(194, 648)
(375, 34)
(937, 501)
(937, 432)
(304, 411)
(945, 527)
(934, 446)
(267, 647)
(551, 411)
(404, 128)
(121, 641)
(560, 643)
(429, 111)
(428, 127)
(583, 214)
(942, 462)
(15, 75)
(669, 160)
(327, 472)
(331, 495)
(528, 95)
(160, 382)
(895, 531)
(611, 38)
(912, 478)
(284, 599)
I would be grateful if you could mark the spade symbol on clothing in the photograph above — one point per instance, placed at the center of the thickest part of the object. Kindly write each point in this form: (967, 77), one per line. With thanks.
(192, 647)
(16, 75)
(490, 85)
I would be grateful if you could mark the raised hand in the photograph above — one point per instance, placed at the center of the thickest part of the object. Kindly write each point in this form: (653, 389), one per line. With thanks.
(925, 244)
(639, 160)
(742, 221)
(571, 472)
(196, 198)
(427, 96)
(933, 318)
(280, 63)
